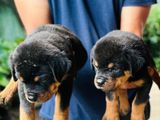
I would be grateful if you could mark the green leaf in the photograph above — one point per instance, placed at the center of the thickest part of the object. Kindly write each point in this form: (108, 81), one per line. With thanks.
(3, 81)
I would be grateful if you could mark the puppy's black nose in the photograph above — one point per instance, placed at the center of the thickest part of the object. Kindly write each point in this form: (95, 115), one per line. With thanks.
(100, 81)
(32, 96)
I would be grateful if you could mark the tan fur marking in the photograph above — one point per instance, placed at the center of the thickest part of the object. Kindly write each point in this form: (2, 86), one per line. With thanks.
(138, 111)
(133, 84)
(8, 92)
(37, 78)
(95, 63)
(47, 95)
(121, 80)
(27, 115)
(137, 83)
(54, 87)
(59, 114)
(110, 65)
(112, 112)
(124, 107)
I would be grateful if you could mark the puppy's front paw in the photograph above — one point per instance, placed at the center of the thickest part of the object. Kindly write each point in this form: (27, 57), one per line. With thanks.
(111, 117)
(139, 117)
(8, 92)
(5, 97)
(124, 108)
(60, 117)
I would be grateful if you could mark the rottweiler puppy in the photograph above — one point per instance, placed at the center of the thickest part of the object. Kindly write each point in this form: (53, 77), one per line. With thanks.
(120, 60)
(46, 63)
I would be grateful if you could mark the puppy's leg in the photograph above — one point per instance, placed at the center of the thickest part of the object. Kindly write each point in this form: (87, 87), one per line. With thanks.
(140, 101)
(62, 99)
(112, 112)
(8, 92)
(124, 106)
(60, 114)
(27, 111)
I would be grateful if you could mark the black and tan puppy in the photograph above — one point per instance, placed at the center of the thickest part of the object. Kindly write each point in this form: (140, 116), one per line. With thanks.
(45, 64)
(120, 60)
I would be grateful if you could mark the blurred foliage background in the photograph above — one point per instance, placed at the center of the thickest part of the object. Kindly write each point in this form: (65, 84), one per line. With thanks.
(152, 33)
(12, 33)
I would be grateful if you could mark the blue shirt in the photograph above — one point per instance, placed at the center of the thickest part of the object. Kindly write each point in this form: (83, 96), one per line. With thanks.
(89, 20)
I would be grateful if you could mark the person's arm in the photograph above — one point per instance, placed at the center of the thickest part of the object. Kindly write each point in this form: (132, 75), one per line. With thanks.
(33, 13)
(133, 19)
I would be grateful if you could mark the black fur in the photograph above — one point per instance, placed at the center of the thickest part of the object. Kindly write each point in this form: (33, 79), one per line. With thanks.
(50, 52)
(127, 52)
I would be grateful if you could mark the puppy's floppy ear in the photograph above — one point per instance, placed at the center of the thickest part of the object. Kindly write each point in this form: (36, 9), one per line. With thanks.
(91, 59)
(59, 67)
(91, 63)
(12, 68)
(135, 60)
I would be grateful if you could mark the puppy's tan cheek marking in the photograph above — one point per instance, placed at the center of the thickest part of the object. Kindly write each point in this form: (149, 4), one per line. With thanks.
(95, 63)
(138, 111)
(110, 65)
(54, 87)
(121, 80)
(37, 78)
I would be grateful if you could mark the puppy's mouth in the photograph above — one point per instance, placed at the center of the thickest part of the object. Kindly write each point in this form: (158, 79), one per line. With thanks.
(32, 97)
(104, 85)
(38, 97)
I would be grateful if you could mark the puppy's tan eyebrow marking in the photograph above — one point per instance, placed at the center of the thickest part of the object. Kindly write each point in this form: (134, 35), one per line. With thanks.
(95, 63)
(110, 65)
(36, 78)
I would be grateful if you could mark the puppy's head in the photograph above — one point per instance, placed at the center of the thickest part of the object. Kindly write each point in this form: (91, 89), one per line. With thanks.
(39, 68)
(114, 62)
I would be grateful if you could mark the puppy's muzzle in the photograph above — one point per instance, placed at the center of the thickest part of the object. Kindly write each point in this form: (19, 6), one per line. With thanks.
(32, 96)
(104, 83)
(100, 81)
